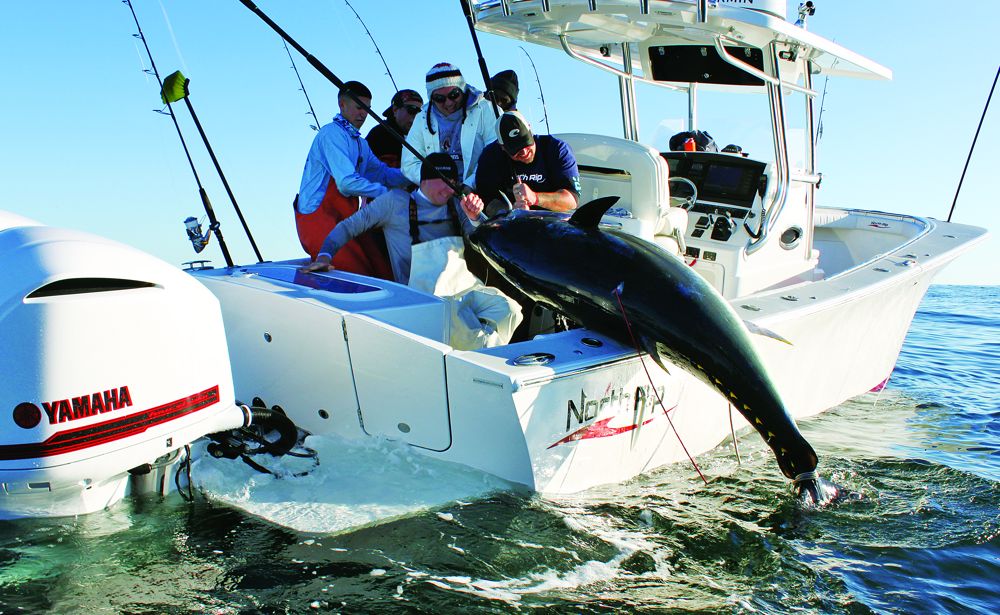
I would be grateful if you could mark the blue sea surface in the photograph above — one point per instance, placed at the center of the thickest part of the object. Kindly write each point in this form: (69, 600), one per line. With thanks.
(921, 533)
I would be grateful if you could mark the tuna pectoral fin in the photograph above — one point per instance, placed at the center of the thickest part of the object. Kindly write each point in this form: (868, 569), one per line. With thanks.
(648, 345)
(756, 329)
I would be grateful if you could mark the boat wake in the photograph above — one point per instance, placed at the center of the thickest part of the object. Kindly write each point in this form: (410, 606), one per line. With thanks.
(356, 483)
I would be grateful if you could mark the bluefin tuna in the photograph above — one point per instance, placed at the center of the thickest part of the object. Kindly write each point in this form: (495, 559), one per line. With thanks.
(593, 274)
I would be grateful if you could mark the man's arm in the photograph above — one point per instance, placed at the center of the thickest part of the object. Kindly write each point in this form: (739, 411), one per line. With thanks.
(341, 158)
(564, 171)
(560, 200)
(379, 171)
(376, 213)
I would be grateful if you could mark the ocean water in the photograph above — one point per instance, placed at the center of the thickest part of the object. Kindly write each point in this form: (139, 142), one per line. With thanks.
(394, 532)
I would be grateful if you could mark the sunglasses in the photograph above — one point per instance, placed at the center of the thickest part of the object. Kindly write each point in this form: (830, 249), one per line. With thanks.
(412, 109)
(455, 94)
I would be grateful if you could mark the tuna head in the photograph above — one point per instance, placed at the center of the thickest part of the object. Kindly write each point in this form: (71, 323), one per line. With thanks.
(593, 274)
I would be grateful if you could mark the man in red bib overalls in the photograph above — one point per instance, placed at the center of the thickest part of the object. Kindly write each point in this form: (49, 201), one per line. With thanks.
(339, 169)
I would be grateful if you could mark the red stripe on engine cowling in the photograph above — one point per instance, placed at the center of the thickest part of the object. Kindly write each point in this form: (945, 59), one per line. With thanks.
(70, 440)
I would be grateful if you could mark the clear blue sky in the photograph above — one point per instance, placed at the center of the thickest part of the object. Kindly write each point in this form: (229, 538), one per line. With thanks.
(80, 146)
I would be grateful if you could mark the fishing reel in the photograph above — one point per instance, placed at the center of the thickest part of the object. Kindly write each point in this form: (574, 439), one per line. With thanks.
(806, 10)
(198, 239)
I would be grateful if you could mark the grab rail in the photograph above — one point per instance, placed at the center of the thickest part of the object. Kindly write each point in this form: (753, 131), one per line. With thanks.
(611, 69)
(724, 54)
(770, 215)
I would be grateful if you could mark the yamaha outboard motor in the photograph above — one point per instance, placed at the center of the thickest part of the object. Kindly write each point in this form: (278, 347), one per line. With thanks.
(111, 360)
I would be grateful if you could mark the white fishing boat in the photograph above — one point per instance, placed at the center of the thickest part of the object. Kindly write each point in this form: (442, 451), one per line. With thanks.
(564, 411)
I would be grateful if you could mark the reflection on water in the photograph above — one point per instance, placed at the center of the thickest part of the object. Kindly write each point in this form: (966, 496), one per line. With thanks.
(920, 535)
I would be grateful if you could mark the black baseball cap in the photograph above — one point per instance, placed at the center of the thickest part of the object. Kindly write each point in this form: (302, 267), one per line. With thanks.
(513, 132)
(437, 164)
(402, 97)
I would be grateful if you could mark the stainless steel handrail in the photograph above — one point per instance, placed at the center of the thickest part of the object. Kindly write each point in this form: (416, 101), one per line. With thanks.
(611, 69)
(770, 215)
(724, 54)
(806, 178)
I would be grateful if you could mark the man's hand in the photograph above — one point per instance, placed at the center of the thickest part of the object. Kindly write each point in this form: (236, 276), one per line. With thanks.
(472, 205)
(322, 263)
(524, 197)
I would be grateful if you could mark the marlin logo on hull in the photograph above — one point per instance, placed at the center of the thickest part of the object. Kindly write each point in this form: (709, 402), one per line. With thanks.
(592, 274)
(91, 404)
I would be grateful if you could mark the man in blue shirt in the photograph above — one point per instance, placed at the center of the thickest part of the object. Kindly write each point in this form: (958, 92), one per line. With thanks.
(339, 169)
(533, 172)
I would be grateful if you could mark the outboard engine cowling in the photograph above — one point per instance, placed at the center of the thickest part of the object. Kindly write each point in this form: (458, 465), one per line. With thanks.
(110, 359)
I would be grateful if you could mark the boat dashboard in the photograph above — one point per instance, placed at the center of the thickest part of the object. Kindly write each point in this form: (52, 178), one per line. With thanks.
(726, 183)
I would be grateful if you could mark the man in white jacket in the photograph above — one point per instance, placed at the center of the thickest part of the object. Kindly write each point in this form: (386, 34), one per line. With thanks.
(457, 121)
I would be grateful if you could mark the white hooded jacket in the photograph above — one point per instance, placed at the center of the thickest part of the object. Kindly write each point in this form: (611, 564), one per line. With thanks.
(478, 131)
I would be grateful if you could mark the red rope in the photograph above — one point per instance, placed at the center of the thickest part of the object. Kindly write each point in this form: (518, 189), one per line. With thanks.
(666, 413)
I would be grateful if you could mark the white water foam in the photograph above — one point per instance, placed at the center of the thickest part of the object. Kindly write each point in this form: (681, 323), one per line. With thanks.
(357, 483)
(626, 541)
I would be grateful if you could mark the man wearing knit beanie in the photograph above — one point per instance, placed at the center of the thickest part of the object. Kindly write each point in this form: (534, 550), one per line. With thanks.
(444, 75)
(456, 121)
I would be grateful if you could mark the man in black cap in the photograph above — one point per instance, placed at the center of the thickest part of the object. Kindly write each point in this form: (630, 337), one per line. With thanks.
(533, 173)
(339, 169)
(406, 219)
(503, 90)
(415, 225)
(399, 116)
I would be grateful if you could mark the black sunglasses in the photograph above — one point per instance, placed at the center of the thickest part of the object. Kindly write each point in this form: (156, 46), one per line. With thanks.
(455, 94)
(412, 109)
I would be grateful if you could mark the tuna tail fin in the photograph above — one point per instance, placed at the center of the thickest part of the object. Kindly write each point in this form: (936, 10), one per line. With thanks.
(753, 327)
(814, 491)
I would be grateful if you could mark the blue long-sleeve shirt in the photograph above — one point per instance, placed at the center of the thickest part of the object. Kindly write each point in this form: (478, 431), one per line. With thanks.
(339, 151)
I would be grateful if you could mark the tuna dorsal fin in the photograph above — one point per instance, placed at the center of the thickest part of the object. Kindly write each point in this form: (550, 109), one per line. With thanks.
(589, 215)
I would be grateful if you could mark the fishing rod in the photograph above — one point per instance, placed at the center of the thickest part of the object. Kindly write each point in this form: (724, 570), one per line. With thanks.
(974, 139)
(377, 50)
(458, 187)
(302, 88)
(822, 107)
(198, 240)
(467, 9)
(545, 111)
(175, 87)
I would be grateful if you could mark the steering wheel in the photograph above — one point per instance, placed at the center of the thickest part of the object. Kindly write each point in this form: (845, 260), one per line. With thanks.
(684, 202)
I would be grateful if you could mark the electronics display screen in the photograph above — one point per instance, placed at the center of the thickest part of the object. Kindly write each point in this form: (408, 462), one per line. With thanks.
(720, 178)
(726, 181)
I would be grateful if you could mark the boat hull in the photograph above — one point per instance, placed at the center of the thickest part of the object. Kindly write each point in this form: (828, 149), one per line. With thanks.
(562, 412)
